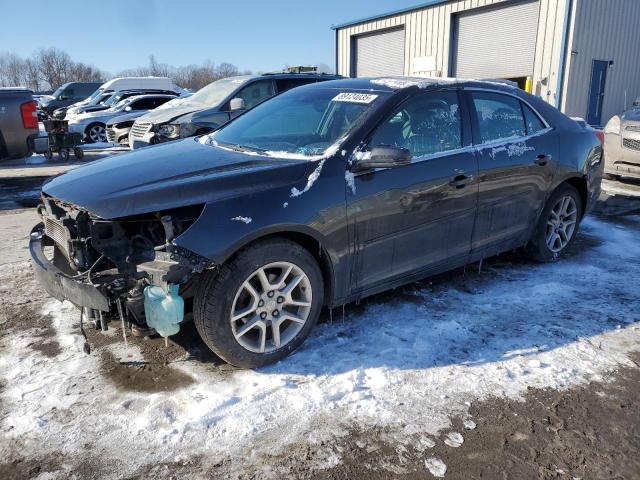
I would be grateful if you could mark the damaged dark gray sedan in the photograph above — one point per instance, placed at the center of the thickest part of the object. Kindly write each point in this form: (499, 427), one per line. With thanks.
(321, 196)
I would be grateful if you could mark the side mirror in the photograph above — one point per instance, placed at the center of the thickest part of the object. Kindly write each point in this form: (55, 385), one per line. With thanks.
(127, 109)
(383, 156)
(236, 104)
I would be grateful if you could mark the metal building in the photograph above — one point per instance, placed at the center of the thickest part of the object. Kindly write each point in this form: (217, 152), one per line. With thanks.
(582, 56)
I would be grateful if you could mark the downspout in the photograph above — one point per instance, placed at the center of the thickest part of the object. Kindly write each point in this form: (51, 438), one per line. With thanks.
(336, 30)
(563, 54)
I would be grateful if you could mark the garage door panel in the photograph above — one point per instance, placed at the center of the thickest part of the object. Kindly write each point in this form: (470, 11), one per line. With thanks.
(498, 42)
(380, 53)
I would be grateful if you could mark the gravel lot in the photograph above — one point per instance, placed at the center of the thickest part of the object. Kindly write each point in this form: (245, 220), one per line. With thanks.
(519, 371)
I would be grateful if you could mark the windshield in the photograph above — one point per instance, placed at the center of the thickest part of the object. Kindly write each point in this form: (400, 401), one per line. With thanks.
(216, 92)
(121, 105)
(59, 91)
(95, 95)
(304, 122)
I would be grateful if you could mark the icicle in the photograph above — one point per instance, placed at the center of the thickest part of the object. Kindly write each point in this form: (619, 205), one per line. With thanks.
(124, 328)
(480, 266)
(330, 316)
(343, 313)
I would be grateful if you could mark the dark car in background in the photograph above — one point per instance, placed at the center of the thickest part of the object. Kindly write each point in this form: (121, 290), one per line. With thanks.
(66, 95)
(323, 195)
(18, 122)
(622, 144)
(214, 105)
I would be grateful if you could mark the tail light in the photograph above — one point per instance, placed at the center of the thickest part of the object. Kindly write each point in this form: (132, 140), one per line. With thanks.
(600, 135)
(29, 115)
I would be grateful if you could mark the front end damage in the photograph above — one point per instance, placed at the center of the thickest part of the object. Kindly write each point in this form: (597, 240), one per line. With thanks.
(127, 269)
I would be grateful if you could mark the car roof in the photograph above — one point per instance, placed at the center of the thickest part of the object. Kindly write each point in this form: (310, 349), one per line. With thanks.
(393, 84)
(150, 95)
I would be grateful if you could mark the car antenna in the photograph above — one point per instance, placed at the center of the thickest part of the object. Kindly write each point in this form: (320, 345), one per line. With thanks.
(86, 347)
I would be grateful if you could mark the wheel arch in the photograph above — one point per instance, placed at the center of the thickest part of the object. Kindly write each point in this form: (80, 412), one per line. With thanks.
(307, 240)
(580, 184)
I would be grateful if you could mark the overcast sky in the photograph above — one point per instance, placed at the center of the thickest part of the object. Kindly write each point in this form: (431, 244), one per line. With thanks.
(119, 34)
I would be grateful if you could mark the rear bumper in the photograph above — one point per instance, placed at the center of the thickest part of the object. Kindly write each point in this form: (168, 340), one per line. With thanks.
(58, 284)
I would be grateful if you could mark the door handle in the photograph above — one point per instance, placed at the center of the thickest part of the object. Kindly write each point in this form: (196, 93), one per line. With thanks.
(542, 159)
(460, 180)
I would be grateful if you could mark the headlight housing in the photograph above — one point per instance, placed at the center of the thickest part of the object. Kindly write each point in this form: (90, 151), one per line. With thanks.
(613, 126)
(176, 130)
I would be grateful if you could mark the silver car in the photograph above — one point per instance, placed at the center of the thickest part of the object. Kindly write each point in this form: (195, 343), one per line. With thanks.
(622, 144)
(93, 125)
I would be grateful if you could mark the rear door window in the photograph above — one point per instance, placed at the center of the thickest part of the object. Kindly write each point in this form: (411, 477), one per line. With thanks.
(498, 116)
(256, 92)
(533, 121)
(284, 84)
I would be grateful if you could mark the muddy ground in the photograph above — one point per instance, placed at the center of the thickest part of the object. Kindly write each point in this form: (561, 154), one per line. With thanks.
(586, 432)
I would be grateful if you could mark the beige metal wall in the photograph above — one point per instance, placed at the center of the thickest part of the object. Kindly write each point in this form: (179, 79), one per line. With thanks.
(604, 30)
(428, 33)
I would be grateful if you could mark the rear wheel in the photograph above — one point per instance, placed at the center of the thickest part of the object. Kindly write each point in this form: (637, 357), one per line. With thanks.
(79, 153)
(64, 154)
(260, 306)
(558, 224)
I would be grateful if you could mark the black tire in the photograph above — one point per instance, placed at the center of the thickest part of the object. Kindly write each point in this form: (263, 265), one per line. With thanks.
(64, 154)
(217, 289)
(538, 248)
(79, 153)
(48, 154)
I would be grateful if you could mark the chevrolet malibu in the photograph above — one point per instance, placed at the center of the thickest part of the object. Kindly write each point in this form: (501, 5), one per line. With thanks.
(321, 196)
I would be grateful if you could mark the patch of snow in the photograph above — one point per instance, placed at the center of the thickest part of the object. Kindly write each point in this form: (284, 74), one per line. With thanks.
(436, 467)
(310, 181)
(405, 363)
(246, 220)
(361, 155)
(469, 424)
(351, 181)
(404, 82)
(285, 204)
(513, 149)
(454, 439)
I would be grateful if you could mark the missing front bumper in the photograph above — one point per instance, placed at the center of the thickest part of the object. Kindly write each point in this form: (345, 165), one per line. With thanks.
(60, 285)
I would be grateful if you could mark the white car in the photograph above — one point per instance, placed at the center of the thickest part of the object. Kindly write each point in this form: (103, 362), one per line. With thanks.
(92, 125)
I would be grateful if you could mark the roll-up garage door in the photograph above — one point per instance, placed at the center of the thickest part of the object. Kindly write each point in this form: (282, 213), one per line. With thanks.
(380, 53)
(497, 42)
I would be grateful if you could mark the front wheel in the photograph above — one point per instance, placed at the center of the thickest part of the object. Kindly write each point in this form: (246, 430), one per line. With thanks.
(96, 133)
(260, 306)
(558, 225)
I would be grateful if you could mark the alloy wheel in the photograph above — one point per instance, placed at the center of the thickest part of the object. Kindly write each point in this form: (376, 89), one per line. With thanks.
(98, 134)
(561, 223)
(271, 307)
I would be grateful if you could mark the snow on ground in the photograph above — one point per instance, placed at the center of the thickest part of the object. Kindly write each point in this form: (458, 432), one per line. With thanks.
(406, 362)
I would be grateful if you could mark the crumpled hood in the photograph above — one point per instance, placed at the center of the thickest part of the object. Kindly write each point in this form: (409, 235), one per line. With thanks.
(172, 175)
(164, 115)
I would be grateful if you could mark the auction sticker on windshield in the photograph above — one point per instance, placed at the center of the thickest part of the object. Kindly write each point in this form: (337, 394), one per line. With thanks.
(354, 97)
